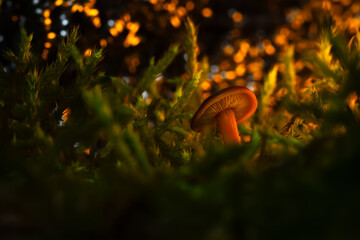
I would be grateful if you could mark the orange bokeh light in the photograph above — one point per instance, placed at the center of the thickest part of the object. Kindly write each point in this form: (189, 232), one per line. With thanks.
(119, 25)
(51, 35)
(133, 26)
(97, 22)
(217, 78)
(206, 85)
(46, 13)
(240, 70)
(230, 75)
(103, 42)
(47, 45)
(207, 12)
(88, 52)
(47, 21)
(58, 2)
(237, 17)
(181, 11)
(175, 21)
(113, 32)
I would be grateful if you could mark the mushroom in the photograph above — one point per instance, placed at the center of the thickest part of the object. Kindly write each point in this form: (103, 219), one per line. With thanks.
(227, 108)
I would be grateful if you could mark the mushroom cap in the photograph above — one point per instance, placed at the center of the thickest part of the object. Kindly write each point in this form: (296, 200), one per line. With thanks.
(240, 99)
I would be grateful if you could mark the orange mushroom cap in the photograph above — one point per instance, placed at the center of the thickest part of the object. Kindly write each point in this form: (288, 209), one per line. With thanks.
(240, 99)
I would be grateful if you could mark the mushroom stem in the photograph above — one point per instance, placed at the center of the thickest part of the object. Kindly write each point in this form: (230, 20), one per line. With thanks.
(228, 127)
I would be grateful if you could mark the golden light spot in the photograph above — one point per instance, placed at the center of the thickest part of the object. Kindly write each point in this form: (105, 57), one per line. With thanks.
(80, 8)
(270, 50)
(58, 2)
(51, 35)
(153, 2)
(14, 18)
(134, 40)
(47, 45)
(47, 21)
(46, 13)
(65, 114)
(238, 57)
(103, 42)
(127, 17)
(171, 7)
(237, 17)
(97, 22)
(254, 52)
(190, 5)
(131, 40)
(133, 26)
(74, 8)
(280, 39)
(113, 31)
(92, 12)
(181, 11)
(228, 50)
(217, 78)
(230, 75)
(175, 21)
(88, 52)
(244, 46)
(87, 151)
(86, 8)
(119, 25)
(240, 70)
(207, 12)
(206, 85)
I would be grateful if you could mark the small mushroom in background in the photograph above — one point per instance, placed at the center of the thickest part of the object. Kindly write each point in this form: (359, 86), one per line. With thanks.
(227, 108)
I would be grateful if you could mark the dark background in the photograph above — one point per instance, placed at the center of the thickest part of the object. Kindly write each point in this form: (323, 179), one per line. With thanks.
(261, 18)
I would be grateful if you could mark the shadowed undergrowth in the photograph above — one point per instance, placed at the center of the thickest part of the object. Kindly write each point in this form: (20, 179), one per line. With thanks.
(95, 157)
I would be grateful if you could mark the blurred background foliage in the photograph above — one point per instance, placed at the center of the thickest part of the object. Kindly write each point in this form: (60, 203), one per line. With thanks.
(96, 99)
